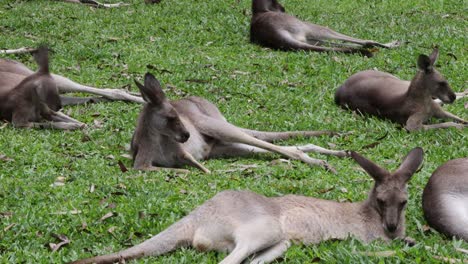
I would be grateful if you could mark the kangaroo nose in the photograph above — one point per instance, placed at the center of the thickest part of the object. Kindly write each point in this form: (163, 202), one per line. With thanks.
(391, 228)
(452, 97)
(185, 136)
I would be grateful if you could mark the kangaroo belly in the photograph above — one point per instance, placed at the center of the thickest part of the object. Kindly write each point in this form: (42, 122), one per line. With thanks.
(375, 93)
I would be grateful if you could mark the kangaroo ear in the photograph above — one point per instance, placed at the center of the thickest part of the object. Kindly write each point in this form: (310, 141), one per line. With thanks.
(424, 63)
(371, 168)
(410, 164)
(151, 91)
(434, 56)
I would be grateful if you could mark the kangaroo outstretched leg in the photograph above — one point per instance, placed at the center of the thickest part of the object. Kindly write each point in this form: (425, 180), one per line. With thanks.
(324, 33)
(227, 132)
(66, 85)
(239, 150)
(274, 136)
(177, 235)
(290, 42)
(439, 112)
(96, 3)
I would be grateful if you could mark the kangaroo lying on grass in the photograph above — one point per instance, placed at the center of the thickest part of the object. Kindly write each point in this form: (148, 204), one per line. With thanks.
(247, 224)
(175, 133)
(34, 98)
(445, 199)
(272, 27)
(14, 72)
(408, 103)
(94, 3)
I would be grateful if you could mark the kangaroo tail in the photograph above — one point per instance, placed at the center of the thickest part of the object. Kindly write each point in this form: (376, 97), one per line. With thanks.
(42, 59)
(177, 235)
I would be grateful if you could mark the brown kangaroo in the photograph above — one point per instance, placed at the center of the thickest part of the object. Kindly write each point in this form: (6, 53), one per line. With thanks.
(94, 3)
(13, 72)
(272, 27)
(445, 199)
(34, 98)
(171, 134)
(247, 224)
(410, 104)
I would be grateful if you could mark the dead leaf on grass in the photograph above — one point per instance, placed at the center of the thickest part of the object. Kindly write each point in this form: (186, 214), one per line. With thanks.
(326, 190)
(5, 158)
(72, 212)
(386, 253)
(127, 156)
(122, 166)
(108, 215)
(462, 250)
(63, 241)
(111, 229)
(6, 214)
(91, 188)
(450, 260)
(8, 227)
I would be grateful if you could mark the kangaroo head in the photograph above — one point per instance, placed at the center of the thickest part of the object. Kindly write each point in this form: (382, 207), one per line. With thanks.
(42, 84)
(161, 115)
(389, 194)
(432, 81)
(261, 6)
(46, 92)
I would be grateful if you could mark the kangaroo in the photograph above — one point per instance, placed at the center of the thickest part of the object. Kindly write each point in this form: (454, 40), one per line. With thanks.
(35, 98)
(407, 103)
(13, 72)
(272, 27)
(96, 4)
(445, 199)
(248, 224)
(171, 134)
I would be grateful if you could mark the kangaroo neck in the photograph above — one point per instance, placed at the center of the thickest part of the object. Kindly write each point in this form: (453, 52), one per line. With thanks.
(416, 89)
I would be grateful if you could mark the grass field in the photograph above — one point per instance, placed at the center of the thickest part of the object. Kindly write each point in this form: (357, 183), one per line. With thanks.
(201, 48)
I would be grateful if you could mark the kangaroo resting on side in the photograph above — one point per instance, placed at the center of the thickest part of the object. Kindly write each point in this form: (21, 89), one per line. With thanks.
(272, 27)
(171, 134)
(13, 72)
(35, 98)
(408, 103)
(445, 199)
(94, 3)
(248, 224)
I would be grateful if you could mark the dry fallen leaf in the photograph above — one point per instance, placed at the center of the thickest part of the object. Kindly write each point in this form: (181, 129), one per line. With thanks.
(6, 214)
(91, 188)
(8, 227)
(73, 212)
(127, 156)
(462, 250)
(108, 215)
(386, 253)
(63, 241)
(122, 166)
(5, 158)
(111, 229)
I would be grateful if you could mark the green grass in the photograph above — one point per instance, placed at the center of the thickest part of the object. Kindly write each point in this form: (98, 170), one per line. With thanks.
(254, 87)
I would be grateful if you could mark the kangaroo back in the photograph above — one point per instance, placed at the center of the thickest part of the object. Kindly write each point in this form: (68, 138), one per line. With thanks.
(445, 199)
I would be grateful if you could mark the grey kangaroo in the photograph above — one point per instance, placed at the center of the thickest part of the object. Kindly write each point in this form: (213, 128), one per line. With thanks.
(13, 72)
(247, 224)
(445, 199)
(34, 98)
(94, 3)
(272, 27)
(171, 134)
(409, 103)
